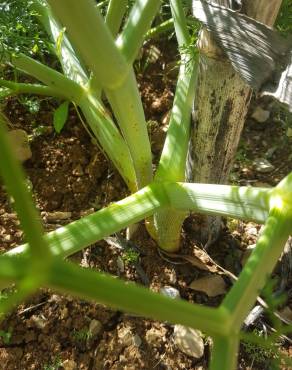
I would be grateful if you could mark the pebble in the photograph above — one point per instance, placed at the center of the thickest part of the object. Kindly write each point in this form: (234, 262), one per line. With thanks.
(262, 165)
(19, 143)
(120, 264)
(126, 337)
(64, 313)
(56, 216)
(69, 365)
(252, 231)
(154, 336)
(95, 328)
(260, 115)
(189, 341)
(170, 292)
(137, 341)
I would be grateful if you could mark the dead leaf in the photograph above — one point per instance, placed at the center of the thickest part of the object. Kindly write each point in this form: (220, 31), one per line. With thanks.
(212, 285)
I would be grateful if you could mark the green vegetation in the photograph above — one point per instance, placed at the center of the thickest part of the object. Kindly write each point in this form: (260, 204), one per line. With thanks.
(95, 65)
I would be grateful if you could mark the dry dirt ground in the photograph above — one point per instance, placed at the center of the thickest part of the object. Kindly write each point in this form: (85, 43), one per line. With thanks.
(71, 177)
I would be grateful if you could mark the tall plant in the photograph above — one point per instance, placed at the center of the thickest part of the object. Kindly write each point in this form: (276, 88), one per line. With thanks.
(94, 62)
(40, 262)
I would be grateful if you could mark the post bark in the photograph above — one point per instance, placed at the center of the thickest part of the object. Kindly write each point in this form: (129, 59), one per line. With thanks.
(221, 105)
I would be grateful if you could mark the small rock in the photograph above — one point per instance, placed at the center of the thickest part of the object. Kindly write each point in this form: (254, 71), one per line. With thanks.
(19, 143)
(189, 341)
(154, 336)
(165, 120)
(170, 292)
(251, 231)
(56, 216)
(78, 170)
(137, 341)
(7, 238)
(69, 365)
(260, 115)
(126, 337)
(262, 165)
(95, 328)
(39, 321)
(120, 264)
(64, 313)
(212, 285)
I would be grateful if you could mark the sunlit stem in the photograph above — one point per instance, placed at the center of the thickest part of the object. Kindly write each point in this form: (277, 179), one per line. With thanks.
(70, 61)
(53, 79)
(158, 30)
(115, 13)
(14, 180)
(244, 203)
(172, 165)
(95, 43)
(114, 17)
(127, 107)
(139, 22)
(110, 139)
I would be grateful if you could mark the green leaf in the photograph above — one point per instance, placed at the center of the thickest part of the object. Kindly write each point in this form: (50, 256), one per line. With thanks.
(60, 116)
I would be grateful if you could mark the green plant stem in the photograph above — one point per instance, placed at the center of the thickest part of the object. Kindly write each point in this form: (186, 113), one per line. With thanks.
(105, 289)
(95, 43)
(224, 353)
(109, 138)
(49, 77)
(172, 164)
(244, 203)
(127, 107)
(24, 88)
(260, 264)
(98, 49)
(70, 61)
(108, 290)
(115, 13)
(139, 21)
(158, 30)
(15, 181)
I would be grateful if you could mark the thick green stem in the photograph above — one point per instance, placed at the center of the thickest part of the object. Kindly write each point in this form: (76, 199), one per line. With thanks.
(127, 106)
(14, 180)
(24, 88)
(139, 22)
(109, 138)
(95, 43)
(158, 30)
(244, 203)
(49, 76)
(69, 60)
(108, 290)
(224, 353)
(172, 165)
(115, 13)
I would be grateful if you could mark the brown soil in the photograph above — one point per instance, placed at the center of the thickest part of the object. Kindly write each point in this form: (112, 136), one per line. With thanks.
(70, 174)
